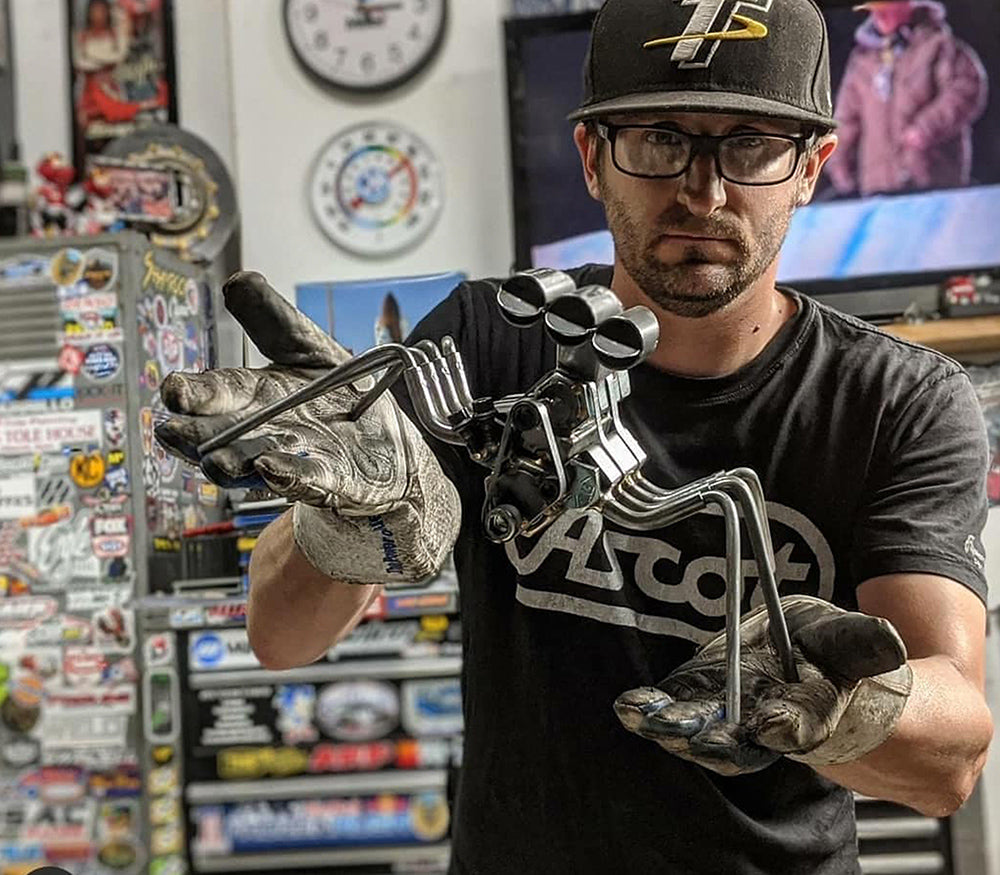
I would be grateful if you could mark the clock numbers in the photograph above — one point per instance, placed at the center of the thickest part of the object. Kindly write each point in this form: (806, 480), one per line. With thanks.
(365, 46)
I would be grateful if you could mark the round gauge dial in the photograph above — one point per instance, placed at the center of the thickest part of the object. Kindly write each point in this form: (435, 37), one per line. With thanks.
(376, 188)
(365, 45)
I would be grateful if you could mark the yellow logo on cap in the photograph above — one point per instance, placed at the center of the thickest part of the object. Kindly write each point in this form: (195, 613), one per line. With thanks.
(751, 30)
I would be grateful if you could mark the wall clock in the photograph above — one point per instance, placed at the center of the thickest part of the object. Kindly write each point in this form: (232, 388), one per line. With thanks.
(376, 188)
(365, 45)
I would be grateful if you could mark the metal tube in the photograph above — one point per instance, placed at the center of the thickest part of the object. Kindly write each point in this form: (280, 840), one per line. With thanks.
(734, 598)
(454, 359)
(449, 392)
(354, 369)
(776, 618)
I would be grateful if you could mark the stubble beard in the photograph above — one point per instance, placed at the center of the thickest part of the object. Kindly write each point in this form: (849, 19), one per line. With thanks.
(674, 287)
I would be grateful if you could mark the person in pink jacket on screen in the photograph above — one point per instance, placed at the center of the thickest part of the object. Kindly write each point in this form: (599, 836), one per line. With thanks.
(909, 97)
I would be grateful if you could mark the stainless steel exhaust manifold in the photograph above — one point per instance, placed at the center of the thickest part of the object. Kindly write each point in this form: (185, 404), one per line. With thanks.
(562, 444)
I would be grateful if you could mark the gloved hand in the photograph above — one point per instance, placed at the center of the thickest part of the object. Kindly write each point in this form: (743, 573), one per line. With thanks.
(853, 685)
(373, 505)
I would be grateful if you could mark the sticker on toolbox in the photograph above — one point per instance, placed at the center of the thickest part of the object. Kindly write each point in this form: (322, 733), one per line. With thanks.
(100, 268)
(158, 649)
(221, 650)
(432, 707)
(114, 426)
(239, 715)
(101, 362)
(99, 729)
(61, 553)
(296, 707)
(114, 629)
(86, 470)
(164, 810)
(67, 267)
(97, 599)
(17, 497)
(361, 710)
(317, 823)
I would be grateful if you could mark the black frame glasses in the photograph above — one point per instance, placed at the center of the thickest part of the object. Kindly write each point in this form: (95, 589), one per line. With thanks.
(704, 144)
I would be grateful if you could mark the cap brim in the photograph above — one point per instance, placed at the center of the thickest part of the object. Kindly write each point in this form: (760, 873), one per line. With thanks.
(700, 101)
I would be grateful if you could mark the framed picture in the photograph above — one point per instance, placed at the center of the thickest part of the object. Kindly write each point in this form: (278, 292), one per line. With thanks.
(136, 194)
(368, 313)
(122, 73)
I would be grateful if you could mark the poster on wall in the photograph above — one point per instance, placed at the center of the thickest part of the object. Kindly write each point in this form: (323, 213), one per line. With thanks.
(366, 313)
(121, 70)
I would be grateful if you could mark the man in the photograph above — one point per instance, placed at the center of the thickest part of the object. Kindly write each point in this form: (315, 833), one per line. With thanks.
(907, 102)
(589, 649)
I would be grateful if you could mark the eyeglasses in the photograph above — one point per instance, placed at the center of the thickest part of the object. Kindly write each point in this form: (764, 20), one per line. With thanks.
(654, 152)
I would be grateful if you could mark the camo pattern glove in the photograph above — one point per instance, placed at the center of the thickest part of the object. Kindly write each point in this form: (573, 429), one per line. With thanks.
(853, 685)
(372, 503)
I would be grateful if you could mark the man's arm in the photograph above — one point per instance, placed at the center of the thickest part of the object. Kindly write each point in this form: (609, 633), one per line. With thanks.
(294, 612)
(938, 749)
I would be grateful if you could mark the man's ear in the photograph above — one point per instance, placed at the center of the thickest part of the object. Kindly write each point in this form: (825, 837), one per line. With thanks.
(816, 158)
(587, 145)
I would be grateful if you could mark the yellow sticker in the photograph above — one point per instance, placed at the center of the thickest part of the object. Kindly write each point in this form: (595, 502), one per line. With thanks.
(86, 469)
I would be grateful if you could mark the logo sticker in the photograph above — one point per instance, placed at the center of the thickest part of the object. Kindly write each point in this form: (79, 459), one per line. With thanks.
(87, 469)
(101, 362)
(358, 710)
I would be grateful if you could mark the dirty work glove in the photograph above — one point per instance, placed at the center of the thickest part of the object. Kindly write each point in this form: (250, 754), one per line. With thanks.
(853, 685)
(372, 504)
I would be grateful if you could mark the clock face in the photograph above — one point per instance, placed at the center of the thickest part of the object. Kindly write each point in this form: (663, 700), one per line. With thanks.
(365, 45)
(376, 188)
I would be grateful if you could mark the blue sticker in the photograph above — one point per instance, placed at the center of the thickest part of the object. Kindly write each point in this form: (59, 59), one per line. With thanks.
(101, 362)
(207, 650)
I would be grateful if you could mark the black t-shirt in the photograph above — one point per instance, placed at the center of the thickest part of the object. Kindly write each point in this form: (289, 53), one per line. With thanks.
(872, 454)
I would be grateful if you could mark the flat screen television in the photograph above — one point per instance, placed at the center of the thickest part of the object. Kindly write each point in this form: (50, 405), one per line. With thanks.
(874, 243)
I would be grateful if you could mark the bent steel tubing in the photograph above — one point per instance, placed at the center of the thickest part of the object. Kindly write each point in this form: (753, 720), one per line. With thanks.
(453, 359)
(687, 500)
(757, 528)
(734, 597)
(753, 481)
(354, 369)
(452, 403)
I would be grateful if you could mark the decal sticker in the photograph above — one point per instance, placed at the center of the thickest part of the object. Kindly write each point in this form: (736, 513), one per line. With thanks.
(54, 491)
(67, 267)
(221, 650)
(27, 612)
(101, 362)
(100, 268)
(70, 359)
(296, 705)
(49, 432)
(107, 596)
(87, 469)
(158, 649)
(114, 629)
(164, 810)
(432, 707)
(117, 480)
(17, 497)
(114, 426)
(62, 552)
(358, 710)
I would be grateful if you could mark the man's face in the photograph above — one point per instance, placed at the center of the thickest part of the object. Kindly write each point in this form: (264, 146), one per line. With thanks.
(695, 243)
(891, 15)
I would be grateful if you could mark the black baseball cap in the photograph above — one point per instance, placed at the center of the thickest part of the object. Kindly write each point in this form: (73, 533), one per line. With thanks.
(755, 57)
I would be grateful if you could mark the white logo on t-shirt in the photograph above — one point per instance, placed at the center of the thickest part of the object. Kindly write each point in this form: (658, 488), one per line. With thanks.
(597, 546)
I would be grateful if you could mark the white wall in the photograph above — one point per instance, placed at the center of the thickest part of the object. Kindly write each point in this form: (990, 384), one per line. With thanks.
(282, 120)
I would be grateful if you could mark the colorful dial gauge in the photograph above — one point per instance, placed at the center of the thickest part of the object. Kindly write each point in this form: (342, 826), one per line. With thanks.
(376, 189)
